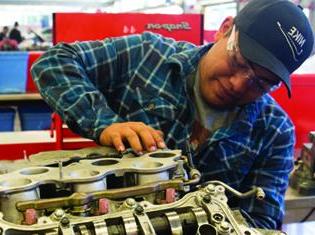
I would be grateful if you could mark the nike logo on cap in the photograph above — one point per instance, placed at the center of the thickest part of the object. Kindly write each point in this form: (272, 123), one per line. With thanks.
(294, 39)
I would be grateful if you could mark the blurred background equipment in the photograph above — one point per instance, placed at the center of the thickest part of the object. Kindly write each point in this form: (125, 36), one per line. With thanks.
(303, 177)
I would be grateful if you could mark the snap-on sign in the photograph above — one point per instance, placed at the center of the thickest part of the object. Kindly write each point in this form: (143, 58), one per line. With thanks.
(70, 27)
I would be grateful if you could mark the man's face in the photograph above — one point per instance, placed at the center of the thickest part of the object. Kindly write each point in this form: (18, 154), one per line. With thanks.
(227, 79)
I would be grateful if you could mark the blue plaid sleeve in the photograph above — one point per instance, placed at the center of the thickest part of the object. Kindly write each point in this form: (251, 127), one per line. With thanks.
(88, 83)
(248, 154)
(74, 78)
(270, 171)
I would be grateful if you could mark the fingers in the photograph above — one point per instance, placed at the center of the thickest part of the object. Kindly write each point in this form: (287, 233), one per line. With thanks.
(139, 136)
(145, 134)
(118, 143)
(132, 138)
(158, 138)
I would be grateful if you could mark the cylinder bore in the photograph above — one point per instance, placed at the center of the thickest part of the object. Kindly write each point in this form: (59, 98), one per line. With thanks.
(162, 155)
(207, 229)
(34, 171)
(105, 162)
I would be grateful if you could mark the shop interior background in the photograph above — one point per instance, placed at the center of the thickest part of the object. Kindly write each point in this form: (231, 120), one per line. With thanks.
(35, 16)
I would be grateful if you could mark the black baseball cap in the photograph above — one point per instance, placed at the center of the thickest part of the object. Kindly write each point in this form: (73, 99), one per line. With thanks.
(276, 35)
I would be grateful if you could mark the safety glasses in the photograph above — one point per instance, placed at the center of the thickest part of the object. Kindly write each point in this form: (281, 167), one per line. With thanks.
(239, 65)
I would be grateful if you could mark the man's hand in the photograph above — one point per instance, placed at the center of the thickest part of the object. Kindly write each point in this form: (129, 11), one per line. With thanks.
(139, 136)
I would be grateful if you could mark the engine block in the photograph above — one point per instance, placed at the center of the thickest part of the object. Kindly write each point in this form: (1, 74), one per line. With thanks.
(100, 191)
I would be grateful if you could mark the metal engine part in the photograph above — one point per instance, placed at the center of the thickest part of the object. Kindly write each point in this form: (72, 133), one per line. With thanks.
(302, 178)
(98, 191)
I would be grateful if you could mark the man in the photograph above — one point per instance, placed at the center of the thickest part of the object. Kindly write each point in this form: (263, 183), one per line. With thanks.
(3, 34)
(132, 90)
(15, 33)
(6, 44)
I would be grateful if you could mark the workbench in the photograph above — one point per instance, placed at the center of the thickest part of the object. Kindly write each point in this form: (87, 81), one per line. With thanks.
(298, 207)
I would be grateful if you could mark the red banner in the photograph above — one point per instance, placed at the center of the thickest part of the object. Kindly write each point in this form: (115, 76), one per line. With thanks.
(70, 27)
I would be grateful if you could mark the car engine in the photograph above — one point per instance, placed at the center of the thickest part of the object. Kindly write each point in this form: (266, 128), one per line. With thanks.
(100, 191)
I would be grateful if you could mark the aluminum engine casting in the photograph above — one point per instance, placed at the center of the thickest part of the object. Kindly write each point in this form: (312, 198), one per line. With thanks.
(99, 191)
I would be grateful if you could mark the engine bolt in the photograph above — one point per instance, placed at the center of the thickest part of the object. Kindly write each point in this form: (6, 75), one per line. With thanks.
(220, 189)
(58, 213)
(206, 198)
(65, 221)
(225, 226)
(139, 209)
(130, 202)
(210, 188)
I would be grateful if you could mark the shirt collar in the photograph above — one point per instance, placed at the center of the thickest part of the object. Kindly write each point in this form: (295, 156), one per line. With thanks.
(188, 60)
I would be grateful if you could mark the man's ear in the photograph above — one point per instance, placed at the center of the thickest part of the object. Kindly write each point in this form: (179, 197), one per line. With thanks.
(224, 27)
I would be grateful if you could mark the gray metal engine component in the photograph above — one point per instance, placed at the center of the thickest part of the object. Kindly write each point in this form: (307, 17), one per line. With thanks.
(99, 191)
(302, 178)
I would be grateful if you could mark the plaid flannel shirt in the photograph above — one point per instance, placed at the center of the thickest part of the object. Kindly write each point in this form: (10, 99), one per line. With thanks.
(143, 78)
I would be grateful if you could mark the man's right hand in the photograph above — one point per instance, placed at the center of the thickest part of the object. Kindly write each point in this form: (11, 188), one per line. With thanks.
(140, 137)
